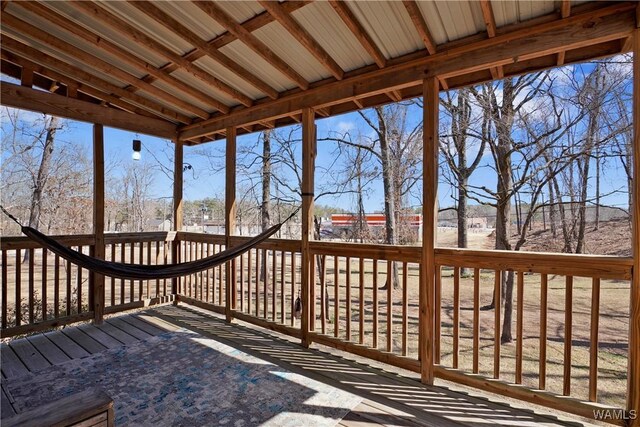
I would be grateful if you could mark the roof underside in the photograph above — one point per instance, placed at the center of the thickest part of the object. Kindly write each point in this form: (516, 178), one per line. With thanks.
(192, 63)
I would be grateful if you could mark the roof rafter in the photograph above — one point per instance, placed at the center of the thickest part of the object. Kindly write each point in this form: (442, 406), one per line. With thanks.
(421, 26)
(136, 36)
(97, 63)
(22, 50)
(105, 45)
(186, 34)
(492, 30)
(224, 19)
(597, 26)
(565, 12)
(303, 37)
(358, 31)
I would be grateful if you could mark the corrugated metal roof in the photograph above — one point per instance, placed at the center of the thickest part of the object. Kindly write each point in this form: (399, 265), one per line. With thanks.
(326, 27)
(221, 72)
(389, 25)
(240, 10)
(283, 44)
(460, 18)
(192, 17)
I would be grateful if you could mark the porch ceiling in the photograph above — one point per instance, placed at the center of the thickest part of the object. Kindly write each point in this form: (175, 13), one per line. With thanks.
(203, 66)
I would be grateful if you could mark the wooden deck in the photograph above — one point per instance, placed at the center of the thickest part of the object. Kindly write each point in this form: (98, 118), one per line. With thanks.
(388, 399)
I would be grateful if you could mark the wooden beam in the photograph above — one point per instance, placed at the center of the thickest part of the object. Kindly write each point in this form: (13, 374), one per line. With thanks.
(308, 170)
(633, 378)
(492, 30)
(95, 62)
(230, 219)
(358, 30)
(565, 9)
(224, 19)
(430, 216)
(222, 40)
(61, 106)
(26, 78)
(578, 31)
(14, 50)
(178, 164)
(100, 43)
(303, 37)
(186, 34)
(421, 26)
(98, 220)
(134, 35)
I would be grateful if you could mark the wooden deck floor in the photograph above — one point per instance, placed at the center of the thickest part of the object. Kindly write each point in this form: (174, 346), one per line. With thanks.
(388, 399)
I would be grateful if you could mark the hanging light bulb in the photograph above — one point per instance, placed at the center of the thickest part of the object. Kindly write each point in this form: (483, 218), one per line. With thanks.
(137, 146)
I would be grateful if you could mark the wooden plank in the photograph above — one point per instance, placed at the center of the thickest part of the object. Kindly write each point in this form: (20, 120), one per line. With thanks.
(376, 307)
(308, 169)
(30, 357)
(497, 310)
(405, 303)
(45, 326)
(117, 333)
(67, 411)
(476, 319)
(84, 340)
(370, 251)
(19, 242)
(58, 105)
(390, 285)
(347, 285)
(12, 367)
(49, 350)
(633, 375)
(542, 358)
(456, 317)
(593, 342)
(227, 21)
(142, 325)
(336, 298)
(6, 407)
(429, 229)
(67, 345)
(437, 315)
(159, 323)
(421, 26)
(105, 339)
(360, 300)
(568, 327)
(519, 326)
(128, 328)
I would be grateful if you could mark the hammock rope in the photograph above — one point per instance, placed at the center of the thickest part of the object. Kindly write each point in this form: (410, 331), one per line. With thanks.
(145, 272)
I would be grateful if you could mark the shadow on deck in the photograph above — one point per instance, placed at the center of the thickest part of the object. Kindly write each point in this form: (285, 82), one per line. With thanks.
(182, 365)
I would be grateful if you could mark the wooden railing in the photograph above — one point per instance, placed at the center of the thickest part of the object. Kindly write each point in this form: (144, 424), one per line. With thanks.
(570, 313)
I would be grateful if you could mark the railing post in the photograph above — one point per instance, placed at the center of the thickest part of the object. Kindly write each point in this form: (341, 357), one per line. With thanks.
(429, 218)
(177, 212)
(308, 169)
(97, 290)
(633, 394)
(230, 220)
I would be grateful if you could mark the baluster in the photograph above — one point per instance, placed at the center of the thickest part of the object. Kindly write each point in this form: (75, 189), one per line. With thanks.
(56, 286)
(323, 298)
(519, 326)
(18, 285)
(593, 349)
(31, 286)
(113, 280)
(44, 284)
(456, 316)
(375, 303)
(437, 314)
(257, 283)
(79, 283)
(543, 332)
(389, 306)
(361, 299)
(249, 281)
(312, 293)
(336, 296)
(68, 288)
(5, 287)
(274, 281)
(348, 296)
(293, 287)
(405, 320)
(283, 265)
(568, 315)
(476, 318)
(497, 289)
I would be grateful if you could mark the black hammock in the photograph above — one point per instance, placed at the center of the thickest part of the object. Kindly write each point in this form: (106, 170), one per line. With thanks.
(142, 272)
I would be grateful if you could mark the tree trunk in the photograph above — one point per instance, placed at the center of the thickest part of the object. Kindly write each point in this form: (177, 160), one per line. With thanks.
(463, 219)
(553, 219)
(265, 206)
(41, 178)
(391, 232)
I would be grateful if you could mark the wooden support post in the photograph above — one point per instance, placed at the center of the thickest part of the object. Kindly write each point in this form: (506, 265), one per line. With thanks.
(98, 221)
(177, 210)
(308, 167)
(230, 219)
(633, 394)
(429, 218)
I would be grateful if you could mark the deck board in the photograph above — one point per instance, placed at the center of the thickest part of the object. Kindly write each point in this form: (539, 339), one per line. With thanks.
(158, 322)
(100, 336)
(49, 350)
(5, 405)
(142, 325)
(11, 365)
(67, 345)
(84, 340)
(128, 328)
(116, 333)
(29, 355)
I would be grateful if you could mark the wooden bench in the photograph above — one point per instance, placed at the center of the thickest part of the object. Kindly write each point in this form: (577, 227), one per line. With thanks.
(89, 408)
